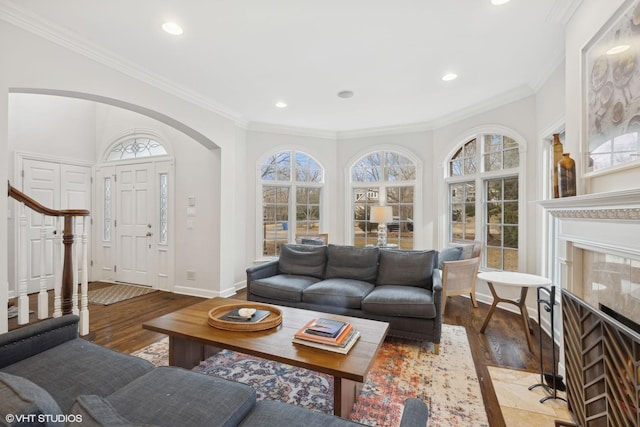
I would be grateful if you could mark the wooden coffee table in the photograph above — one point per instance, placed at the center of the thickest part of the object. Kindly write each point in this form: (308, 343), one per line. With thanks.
(192, 340)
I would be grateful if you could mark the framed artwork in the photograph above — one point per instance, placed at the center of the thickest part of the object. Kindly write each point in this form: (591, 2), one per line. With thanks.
(611, 87)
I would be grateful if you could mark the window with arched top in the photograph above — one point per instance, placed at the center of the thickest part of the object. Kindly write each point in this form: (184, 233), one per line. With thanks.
(136, 148)
(483, 177)
(383, 178)
(292, 184)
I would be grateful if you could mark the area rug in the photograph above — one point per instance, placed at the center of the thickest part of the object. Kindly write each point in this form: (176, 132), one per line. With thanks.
(446, 382)
(116, 293)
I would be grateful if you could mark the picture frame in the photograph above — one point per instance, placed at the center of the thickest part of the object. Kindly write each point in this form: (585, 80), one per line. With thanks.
(611, 91)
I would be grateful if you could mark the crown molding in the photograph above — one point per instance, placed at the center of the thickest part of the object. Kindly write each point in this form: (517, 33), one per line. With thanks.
(34, 24)
(562, 11)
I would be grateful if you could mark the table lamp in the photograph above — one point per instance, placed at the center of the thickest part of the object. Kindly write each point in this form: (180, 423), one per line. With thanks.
(381, 215)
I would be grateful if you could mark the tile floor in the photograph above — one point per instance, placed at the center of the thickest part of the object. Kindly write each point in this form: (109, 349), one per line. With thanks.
(522, 407)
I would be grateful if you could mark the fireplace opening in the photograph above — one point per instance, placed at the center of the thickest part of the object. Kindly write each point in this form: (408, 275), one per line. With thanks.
(620, 318)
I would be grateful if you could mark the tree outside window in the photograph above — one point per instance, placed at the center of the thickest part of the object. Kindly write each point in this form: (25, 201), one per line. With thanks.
(383, 178)
(492, 216)
(291, 198)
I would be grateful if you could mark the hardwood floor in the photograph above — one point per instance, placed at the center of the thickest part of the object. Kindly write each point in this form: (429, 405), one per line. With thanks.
(504, 344)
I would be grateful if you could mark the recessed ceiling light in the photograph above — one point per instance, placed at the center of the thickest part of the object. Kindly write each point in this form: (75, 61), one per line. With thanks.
(281, 104)
(345, 94)
(618, 49)
(172, 28)
(449, 76)
(499, 2)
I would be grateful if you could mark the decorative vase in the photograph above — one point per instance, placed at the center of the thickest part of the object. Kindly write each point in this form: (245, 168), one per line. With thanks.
(566, 176)
(557, 155)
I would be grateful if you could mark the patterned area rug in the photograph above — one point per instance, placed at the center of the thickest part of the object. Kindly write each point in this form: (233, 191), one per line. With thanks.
(446, 382)
(116, 293)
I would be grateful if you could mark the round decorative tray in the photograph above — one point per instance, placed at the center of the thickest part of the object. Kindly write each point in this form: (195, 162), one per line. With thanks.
(271, 321)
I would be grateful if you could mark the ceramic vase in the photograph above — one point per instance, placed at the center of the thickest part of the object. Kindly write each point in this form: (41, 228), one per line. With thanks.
(566, 176)
(557, 155)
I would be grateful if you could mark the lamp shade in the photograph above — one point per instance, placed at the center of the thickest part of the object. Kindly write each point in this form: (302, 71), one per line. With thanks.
(381, 214)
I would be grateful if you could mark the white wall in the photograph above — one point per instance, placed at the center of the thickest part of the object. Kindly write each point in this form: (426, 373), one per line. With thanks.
(32, 62)
(584, 24)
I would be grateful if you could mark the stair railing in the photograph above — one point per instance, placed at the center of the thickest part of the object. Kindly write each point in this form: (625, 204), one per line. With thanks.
(65, 291)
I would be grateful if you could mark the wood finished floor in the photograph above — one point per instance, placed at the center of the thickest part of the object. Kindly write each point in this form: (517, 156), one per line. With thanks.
(118, 326)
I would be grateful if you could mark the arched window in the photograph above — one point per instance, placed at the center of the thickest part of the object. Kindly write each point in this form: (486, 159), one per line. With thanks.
(483, 181)
(383, 178)
(136, 148)
(291, 198)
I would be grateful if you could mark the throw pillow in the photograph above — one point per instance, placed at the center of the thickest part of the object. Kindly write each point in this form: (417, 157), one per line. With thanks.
(98, 412)
(21, 397)
(349, 262)
(409, 268)
(467, 249)
(449, 254)
(302, 260)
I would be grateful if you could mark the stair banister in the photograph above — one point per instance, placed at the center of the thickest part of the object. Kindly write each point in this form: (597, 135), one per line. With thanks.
(67, 284)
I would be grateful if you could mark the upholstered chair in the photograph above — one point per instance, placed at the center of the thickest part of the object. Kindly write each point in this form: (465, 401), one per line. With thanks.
(459, 278)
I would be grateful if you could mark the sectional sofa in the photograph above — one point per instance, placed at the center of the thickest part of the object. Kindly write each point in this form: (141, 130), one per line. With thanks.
(403, 288)
(50, 377)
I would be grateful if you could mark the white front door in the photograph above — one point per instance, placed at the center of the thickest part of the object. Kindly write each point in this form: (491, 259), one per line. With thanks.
(134, 225)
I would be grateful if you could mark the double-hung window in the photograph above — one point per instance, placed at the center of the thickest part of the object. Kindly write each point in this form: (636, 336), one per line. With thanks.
(291, 198)
(483, 204)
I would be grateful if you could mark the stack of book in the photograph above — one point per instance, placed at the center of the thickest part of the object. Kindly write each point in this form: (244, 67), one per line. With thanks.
(327, 334)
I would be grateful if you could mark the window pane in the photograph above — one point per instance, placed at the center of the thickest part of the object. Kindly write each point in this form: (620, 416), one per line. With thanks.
(106, 231)
(509, 143)
(511, 189)
(136, 148)
(164, 208)
(314, 195)
(470, 189)
(469, 166)
(510, 236)
(307, 170)
(457, 192)
(511, 212)
(365, 233)
(275, 213)
(510, 260)
(494, 258)
(494, 189)
(494, 213)
(455, 167)
(470, 149)
(492, 143)
(493, 162)
(494, 235)
(511, 159)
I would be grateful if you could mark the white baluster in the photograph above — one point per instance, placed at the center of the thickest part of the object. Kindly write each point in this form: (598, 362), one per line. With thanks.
(23, 268)
(57, 268)
(43, 297)
(84, 287)
(74, 269)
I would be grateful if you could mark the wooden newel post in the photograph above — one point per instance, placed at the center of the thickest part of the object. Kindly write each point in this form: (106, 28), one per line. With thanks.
(67, 266)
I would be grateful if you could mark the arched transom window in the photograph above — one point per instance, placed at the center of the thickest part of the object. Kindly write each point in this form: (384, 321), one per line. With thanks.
(136, 148)
(483, 181)
(292, 185)
(383, 178)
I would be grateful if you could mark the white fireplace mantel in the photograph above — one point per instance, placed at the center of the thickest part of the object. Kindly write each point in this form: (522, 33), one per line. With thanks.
(617, 205)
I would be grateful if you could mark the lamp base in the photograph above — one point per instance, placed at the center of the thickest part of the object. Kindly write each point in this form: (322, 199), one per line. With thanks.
(382, 235)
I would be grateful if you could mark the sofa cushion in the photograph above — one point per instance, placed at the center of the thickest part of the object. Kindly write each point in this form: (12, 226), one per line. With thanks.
(400, 301)
(19, 396)
(467, 249)
(349, 262)
(170, 396)
(268, 413)
(346, 293)
(283, 287)
(406, 268)
(96, 411)
(452, 253)
(79, 367)
(303, 260)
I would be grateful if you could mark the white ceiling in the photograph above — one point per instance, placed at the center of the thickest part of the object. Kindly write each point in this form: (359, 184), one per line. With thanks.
(239, 57)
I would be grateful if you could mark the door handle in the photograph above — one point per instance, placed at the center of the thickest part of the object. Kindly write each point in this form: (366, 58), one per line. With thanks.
(149, 234)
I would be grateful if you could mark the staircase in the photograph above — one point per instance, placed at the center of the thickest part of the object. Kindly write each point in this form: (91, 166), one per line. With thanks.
(65, 280)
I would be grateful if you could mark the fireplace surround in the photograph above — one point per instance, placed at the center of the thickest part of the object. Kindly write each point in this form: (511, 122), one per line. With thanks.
(595, 257)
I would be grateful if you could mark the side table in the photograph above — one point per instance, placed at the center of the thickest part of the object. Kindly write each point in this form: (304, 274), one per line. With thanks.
(523, 281)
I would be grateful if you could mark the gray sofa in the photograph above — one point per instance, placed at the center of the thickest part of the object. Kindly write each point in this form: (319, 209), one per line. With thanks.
(403, 288)
(49, 376)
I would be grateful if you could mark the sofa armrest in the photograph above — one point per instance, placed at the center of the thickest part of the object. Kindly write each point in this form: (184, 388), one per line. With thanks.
(415, 413)
(436, 281)
(30, 340)
(261, 271)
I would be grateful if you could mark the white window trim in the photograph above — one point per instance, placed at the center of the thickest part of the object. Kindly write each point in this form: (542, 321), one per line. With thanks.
(418, 238)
